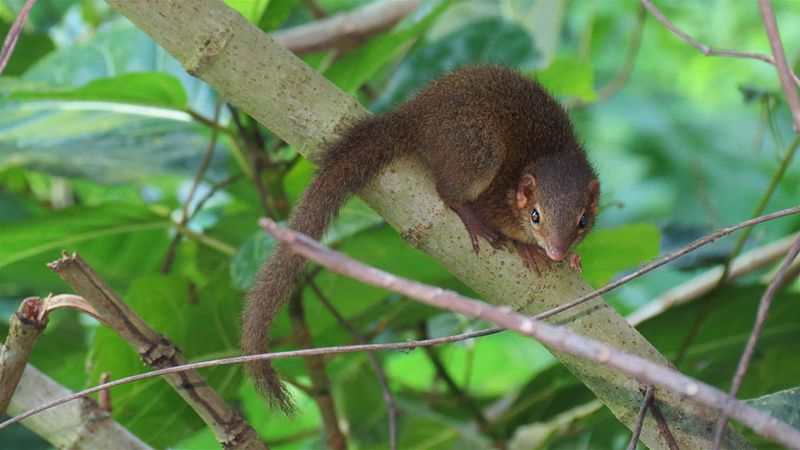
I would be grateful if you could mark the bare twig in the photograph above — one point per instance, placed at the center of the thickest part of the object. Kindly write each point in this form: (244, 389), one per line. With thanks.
(157, 351)
(708, 307)
(320, 384)
(621, 78)
(198, 178)
(104, 396)
(663, 427)
(346, 29)
(388, 398)
(461, 396)
(243, 359)
(13, 34)
(637, 429)
(785, 74)
(558, 338)
(761, 317)
(703, 48)
(650, 267)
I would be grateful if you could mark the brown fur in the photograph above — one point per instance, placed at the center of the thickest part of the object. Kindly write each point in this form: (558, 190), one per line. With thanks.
(480, 129)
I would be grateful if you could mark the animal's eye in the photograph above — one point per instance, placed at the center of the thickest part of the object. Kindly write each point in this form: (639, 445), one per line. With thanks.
(535, 217)
(583, 221)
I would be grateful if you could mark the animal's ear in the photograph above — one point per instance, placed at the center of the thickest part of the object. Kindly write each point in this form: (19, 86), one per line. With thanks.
(594, 193)
(527, 184)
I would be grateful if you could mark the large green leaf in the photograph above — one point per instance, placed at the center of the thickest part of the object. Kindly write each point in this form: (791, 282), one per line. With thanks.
(569, 77)
(71, 226)
(201, 322)
(609, 251)
(144, 88)
(475, 43)
(106, 142)
(784, 405)
(715, 351)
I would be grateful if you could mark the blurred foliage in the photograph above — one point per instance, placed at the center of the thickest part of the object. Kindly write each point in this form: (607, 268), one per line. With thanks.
(101, 134)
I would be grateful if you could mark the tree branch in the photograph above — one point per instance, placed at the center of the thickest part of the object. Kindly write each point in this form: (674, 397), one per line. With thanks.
(79, 425)
(242, 359)
(305, 110)
(346, 29)
(761, 317)
(157, 351)
(315, 365)
(785, 74)
(703, 48)
(557, 337)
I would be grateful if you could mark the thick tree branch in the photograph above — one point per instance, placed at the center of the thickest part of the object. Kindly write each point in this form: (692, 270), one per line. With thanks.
(81, 424)
(265, 80)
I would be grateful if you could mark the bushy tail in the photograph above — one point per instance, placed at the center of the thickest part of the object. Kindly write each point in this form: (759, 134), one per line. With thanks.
(346, 167)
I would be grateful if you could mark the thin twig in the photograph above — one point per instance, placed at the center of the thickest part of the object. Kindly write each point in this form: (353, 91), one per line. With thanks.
(13, 34)
(243, 359)
(621, 78)
(663, 427)
(198, 178)
(650, 267)
(257, 161)
(708, 306)
(703, 48)
(785, 74)
(388, 398)
(461, 396)
(707, 281)
(157, 351)
(315, 365)
(637, 429)
(761, 317)
(558, 338)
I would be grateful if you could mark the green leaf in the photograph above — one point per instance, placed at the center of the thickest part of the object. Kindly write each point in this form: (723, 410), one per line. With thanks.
(201, 322)
(252, 10)
(68, 227)
(478, 360)
(107, 142)
(143, 88)
(31, 46)
(276, 13)
(355, 68)
(477, 43)
(784, 405)
(354, 218)
(607, 252)
(569, 77)
(715, 351)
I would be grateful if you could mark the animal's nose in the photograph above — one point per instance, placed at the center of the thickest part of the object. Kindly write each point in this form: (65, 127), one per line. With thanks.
(556, 253)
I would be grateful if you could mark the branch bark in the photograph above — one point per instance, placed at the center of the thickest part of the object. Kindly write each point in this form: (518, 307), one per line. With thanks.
(346, 29)
(265, 80)
(157, 352)
(80, 424)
